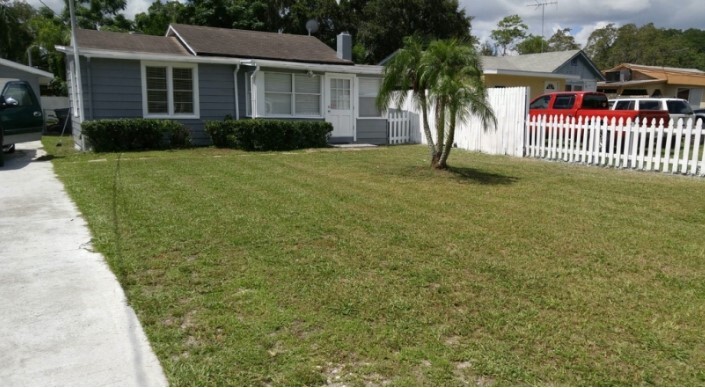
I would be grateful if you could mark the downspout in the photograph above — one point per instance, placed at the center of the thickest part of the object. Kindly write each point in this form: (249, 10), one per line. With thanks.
(253, 92)
(237, 93)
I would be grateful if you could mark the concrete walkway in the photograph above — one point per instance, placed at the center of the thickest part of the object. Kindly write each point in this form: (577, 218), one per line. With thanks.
(63, 316)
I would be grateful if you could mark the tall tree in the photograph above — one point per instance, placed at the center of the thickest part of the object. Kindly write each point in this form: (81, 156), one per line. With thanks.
(95, 14)
(599, 45)
(449, 74)
(158, 17)
(509, 30)
(403, 79)
(562, 40)
(454, 75)
(15, 34)
(533, 44)
(387, 22)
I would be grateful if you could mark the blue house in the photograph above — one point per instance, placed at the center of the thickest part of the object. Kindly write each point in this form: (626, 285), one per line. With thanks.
(194, 74)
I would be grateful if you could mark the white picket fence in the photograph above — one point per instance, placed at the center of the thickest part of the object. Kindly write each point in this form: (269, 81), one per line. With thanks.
(510, 108)
(668, 147)
(399, 125)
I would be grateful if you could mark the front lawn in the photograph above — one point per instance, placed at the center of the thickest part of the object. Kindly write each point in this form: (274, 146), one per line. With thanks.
(365, 267)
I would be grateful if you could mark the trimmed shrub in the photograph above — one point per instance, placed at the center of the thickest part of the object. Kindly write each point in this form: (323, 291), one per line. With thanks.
(135, 134)
(269, 135)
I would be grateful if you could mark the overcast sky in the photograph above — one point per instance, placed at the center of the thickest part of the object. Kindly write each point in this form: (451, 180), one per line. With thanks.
(581, 16)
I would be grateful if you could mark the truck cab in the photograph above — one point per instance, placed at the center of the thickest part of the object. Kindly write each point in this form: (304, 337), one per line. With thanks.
(21, 118)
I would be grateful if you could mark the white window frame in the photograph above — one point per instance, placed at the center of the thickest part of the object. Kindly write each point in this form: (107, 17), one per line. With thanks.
(170, 91)
(293, 96)
(382, 113)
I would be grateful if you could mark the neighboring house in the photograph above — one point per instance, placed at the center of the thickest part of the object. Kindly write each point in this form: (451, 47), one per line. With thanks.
(35, 77)
(655, 81)
(543, 73)
(195, 74)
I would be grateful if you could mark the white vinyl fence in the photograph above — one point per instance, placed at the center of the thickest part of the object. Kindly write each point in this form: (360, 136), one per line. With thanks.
(674, 147)
(510, 108)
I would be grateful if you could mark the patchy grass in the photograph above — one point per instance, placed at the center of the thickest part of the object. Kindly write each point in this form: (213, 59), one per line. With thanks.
(365, 267)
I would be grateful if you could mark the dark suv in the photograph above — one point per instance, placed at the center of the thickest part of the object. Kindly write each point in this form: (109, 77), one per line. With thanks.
(21, 117)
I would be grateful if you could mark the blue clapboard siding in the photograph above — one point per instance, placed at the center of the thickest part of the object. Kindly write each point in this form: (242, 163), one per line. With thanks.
(372, 131)
(114, 89)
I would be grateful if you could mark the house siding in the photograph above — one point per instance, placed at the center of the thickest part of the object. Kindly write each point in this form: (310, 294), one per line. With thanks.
(372, 131)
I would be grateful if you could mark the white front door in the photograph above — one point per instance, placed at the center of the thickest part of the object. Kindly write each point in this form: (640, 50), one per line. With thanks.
(339, 104)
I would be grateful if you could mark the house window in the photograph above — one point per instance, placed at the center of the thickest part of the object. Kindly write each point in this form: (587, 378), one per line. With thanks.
(292, 94)
(170, 90)
(368, 91)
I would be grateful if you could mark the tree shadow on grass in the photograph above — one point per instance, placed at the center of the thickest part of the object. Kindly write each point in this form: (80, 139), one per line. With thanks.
(481, 177)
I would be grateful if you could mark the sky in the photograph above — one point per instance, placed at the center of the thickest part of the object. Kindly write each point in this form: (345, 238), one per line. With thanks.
(581, 16)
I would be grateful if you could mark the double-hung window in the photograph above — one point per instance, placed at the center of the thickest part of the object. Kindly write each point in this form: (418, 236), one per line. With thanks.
(170, 90)
(368, 91)
(297, 95)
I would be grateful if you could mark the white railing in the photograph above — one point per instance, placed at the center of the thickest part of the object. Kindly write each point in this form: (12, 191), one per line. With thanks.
(668, 147)
(399, 127)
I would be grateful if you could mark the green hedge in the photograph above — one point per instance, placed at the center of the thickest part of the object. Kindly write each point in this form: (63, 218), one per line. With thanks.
(135, 134)
(269, 135)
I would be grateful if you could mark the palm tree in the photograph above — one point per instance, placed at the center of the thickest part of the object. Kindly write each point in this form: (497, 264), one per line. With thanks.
(453, 73)
(402, 74)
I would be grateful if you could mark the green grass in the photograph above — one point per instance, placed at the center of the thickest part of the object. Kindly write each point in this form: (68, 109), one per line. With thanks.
(368, 268)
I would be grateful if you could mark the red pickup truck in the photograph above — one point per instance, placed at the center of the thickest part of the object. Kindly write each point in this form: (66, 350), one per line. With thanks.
(588, 104)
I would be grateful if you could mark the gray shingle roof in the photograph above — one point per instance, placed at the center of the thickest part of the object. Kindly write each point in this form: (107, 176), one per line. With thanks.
(210, 41)
(120, 41)
(544, 63)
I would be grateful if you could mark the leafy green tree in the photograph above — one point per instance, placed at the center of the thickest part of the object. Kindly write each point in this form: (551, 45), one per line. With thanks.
(453, 72)
(562, 41)
(488, 49)
(533, 44)
(158, 17)
(49, 31)
(95, 14)
(509, 30)
(599, 45)
(15, 34)
(385, 23)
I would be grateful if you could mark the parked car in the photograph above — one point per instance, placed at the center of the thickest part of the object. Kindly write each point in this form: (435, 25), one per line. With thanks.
(21, 118)
(700, 114)
(677, 108)
(585, 105)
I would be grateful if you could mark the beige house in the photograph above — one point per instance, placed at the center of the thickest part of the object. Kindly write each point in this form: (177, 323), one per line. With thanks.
(655, 81)
(543, 73)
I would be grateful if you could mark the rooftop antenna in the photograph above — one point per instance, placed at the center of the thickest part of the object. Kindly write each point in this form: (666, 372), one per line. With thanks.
(312, 26)
(543, 5)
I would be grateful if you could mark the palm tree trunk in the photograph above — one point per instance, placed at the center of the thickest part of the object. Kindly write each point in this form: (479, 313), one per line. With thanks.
(440, 132)
(426, 127)
(448, 146)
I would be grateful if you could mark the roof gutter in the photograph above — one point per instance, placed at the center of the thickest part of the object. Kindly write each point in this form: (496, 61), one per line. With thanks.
(534, 74)
(111, 54)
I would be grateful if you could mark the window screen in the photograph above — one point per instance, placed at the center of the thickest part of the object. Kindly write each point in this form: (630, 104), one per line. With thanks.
(369, 88)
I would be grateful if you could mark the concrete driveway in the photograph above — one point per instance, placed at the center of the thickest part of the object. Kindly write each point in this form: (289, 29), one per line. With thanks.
(63, 316)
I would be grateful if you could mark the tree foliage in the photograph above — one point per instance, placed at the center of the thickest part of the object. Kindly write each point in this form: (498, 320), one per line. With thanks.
(448, 75)
(646, 45)
(509, 30)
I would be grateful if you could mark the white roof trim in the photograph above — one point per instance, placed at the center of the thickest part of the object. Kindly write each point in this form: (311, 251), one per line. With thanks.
(535, 74)
(19, 66)
(182, 40)
(111, 54)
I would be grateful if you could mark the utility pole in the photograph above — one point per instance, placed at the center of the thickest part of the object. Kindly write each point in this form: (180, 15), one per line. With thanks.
(543, 5)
